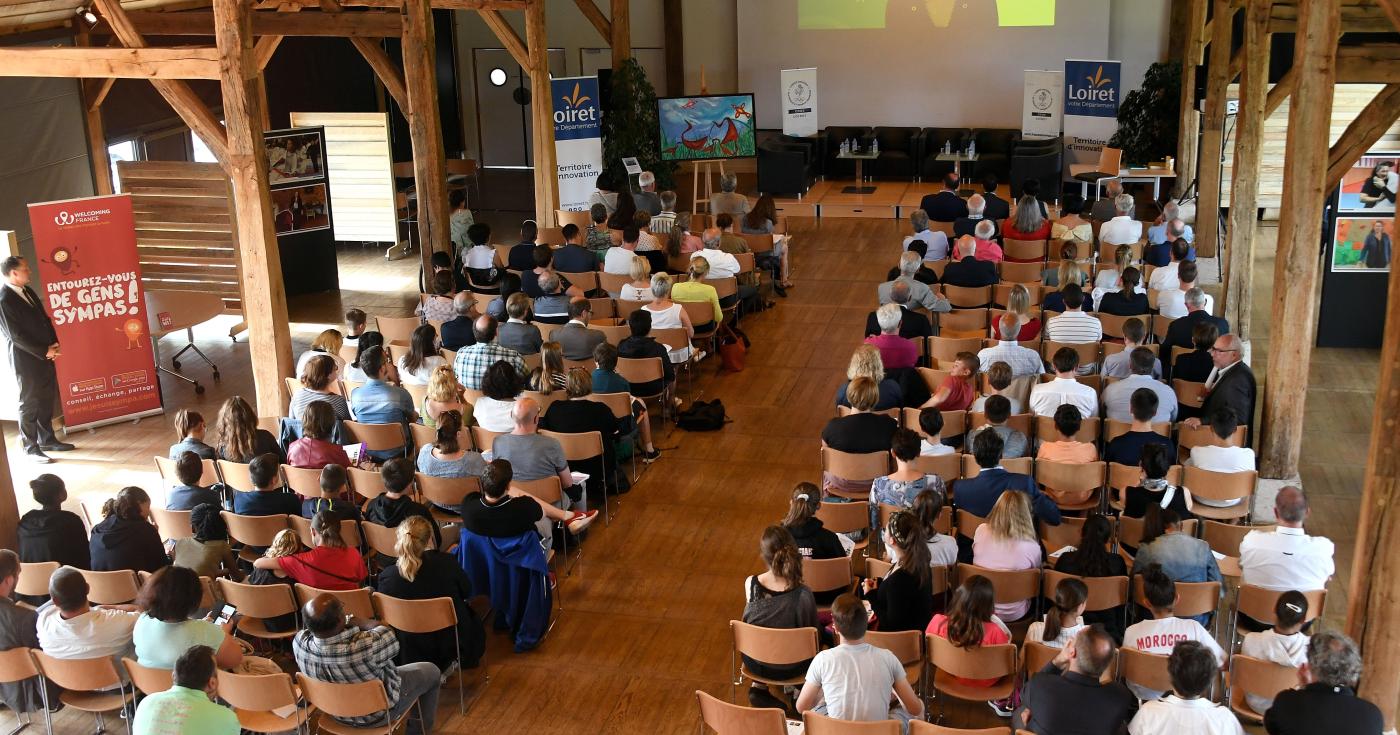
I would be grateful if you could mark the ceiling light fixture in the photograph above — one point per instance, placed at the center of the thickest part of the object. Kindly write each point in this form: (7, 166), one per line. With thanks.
(85, 13)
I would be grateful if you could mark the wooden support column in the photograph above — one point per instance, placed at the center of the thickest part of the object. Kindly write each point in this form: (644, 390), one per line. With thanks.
(542, 115)
(595, 17)
(1213, 136)
(384, 68)
(621, 32)
(1281, 91)
(673, 36)
(264, 298)
(262, 54)
(1294, 322)
(1244, 176)
(425, 128)
(93, 92)
(1187, 135)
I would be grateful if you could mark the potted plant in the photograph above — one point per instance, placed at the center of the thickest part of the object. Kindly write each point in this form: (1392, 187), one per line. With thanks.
(1149, 117)
(631, 129)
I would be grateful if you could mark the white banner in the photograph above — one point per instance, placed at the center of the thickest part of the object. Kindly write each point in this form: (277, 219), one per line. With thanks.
(578, 139)
(1091, 109)
(800, 102)
(1041, 109)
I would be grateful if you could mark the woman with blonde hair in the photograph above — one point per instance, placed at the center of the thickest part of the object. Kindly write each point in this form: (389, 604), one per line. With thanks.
(1007, 542)
(330, 564)
(444, 394)
(550, 375)
(1067, 269)
(866, 363)
(236, 435)
(1019, 304)
(327, 342)
(1108, 278)
(667, 314)
(695, 289)
(424, 573)
(639, 289)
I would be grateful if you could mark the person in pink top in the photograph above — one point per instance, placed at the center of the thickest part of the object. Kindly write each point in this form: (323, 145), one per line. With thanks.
(314, 450)
(957, 391)
(969, 623)
(1007, 542)
(682, 241)
(987, 247)
(895, 351)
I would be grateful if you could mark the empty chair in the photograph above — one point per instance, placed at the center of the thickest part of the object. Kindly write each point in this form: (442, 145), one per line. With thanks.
(34, 578)
(172, 524)
(731, 719)
(254, 532)
(111, 588)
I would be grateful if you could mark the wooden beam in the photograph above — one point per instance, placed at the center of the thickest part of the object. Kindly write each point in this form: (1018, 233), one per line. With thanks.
(1391, 8)
(1371, 64)
(1236, 62)
(1213, 135)
(294, 5)
(1295, 268)
(1187, 131)
(388, 72)
(93, 91)
(264, 49)
(1281, 91)
(368, 23)
(119, 63)
(177, 94)
(596, 17)
(546, 172)
(621, 32)
(673, 39)
(425, 128)
(260, 264)
(508, 37)
(1370, 124)
(1244, 172)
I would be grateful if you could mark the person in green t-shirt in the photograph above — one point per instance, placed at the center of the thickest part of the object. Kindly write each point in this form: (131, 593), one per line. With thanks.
(187, 707)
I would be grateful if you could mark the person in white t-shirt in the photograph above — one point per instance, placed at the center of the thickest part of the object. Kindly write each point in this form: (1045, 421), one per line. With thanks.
(1122, 229)
(931, 428)
(618, 259)
(1047, 397)
(854, 681)
(1284, 644)
(1287, 558)
(1188, 709)
(1223, 424)
(72, 629)
(1065, 618)
(1171, 303)
(1166, 277)
(1160, 634)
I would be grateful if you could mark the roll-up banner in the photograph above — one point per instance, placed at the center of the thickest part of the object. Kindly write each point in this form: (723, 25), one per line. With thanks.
(90, 283)
(1091, 108)
(1043, 103)
(578, 139)
(800, 102)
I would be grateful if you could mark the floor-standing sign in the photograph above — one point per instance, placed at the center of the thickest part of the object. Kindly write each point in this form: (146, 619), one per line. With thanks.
(1091, 108)
(90, 281)
(800, 102)
(578, 139)
(1043, 103)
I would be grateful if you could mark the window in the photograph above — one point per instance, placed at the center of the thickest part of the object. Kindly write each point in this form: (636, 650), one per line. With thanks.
(123, 151)
(202, 154)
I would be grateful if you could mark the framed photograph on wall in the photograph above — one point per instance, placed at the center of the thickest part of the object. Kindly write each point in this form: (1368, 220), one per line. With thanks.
(298, 209)
(294, 155)
(1370, 184)
(1362, 244)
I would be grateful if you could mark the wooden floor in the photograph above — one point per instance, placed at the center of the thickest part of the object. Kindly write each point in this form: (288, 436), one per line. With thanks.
(646, 613)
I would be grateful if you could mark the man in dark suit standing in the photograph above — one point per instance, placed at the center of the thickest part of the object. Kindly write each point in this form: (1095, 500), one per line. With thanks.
(33, 349)
(1231, 385)
(997, 208)
(946, 205)
(967, 271)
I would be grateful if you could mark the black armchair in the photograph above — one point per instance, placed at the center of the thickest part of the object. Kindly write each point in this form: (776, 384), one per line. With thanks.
(785, 167)
(1037, 159)
(831, 145)
(931, 142)
(899, 148)
(994, 149)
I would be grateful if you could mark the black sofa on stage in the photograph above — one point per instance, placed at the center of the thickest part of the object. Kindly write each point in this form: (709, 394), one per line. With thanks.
(787, 165)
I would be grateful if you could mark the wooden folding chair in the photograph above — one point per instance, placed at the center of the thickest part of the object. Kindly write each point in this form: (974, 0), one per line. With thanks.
(1258, 603)
(772, 646)
(951, 663)
(963, 322)
(349, 531)
(1258, 677)
(1195, 598)
(1010, 586)
(1073, 477)
(146, 679)
(256, 699)
(397, 329)
(1113, 428)
(256, 604)
(1025, 273)
(87, 685)
(815, 724)
(172, 524)
(962, 297)
(944, 350)
(253, 531)
(361, 699)
(583, 446)
(34, 578)
(1088, 352)
(639, 371)
(445, 492)
(1105, 593)
(1058, 537)
(303, 481)
(166, 467)
(946, 466)
(827, 575)
(235, 475)
(1225, 538)
(906, 645)
(380, 539)
(111, 588)
(1221, 486)
(377, 437)
(855, 468)
(1147, 670)
(846, 518)
(423, 616)
(16, 665)
(1088, 429)
(731, 719)
(1023, 250)
(1035, 655)
(368, 484)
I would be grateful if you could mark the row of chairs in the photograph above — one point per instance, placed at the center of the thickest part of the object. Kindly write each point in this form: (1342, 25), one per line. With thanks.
(979, 320)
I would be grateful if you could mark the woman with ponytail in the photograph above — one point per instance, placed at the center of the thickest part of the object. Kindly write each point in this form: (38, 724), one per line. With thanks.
(331, 564)
(446, 457)
(777, 599)
(814, 541)
(423, 573)
(903, 598)
(695, 289)
(1064, 619)
(682, 242)
(125, 539)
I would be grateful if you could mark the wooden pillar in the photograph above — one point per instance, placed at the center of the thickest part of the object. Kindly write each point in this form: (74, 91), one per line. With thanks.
(1244, 177)
(1213, 136)
(93, 92)
(264, 298)
(1294, 322)
(621, 33)
(542, 114)
(425, 128)
(1186, 137)
(673, 37)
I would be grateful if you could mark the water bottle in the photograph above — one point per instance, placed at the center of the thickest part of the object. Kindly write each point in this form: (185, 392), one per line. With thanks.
(947, 147)
(844, 150)
(972, 149)
(875, 147)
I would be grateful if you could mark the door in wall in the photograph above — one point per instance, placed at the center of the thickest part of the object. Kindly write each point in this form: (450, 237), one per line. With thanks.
(653, 62)
(503, 97)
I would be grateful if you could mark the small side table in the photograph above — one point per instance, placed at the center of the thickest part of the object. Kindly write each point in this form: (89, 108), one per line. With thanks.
(860, 157)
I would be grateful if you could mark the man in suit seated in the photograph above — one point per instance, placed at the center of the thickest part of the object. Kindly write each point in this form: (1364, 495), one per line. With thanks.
(997, 208)
(456, 332)
(924, 274)
(1231, 385)
(573, 257)
(976, 212)
(575, 338)
(1179, 332)
(919, 293)
(978, 495)
(517, 333)
(912, 325)
(1104, 209)
(1327, 698)
(967, 271)
(946, 205)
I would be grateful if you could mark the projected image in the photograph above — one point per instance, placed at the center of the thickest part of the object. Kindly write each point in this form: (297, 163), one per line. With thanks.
(1362, 244)
(1370, 184)
(697, 128)
(816, 15)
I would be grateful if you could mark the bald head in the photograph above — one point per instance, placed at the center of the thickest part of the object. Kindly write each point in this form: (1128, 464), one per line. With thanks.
(484, 328)
(899, 292)
(1093, 651)
(976, 204)
(462, 303)
(526, 413)
(967, 246)
(324, 615)
(1009, 327)
(1291, 507)
(710, 237)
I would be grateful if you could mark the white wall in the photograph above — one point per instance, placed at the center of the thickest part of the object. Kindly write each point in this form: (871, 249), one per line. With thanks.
(711, 41)
(1137, 36)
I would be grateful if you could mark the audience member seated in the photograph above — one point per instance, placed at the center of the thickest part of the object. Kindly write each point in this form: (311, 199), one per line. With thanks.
(444, 394)
(984, 235)
(552, 306)
(167, 626)
(1064, 619)
(682, 240)
(919, 293)
(267, 498)
(935, 242)
(861, 432)
(1067, 270)
(544, 265)
(330, 564)
(326, 343)
(207, 552)
(640, 345)
(522, 255)
(379, 402)
(665, 215)
(997, 410)
(1231, 386)
(237, 436)
(912, 324)
(423, 573)
(777, 598)
(895, 351)
(978, 495)
(1167, 275)
(976, 211)
(1008, 542)
(19, 629)
(534, 456)
(1171, 303)
(946, 205)
(1105, 208)
(1193, 666)
(866, 362)
(1168, 228)
(971, 622)
(924, 274)
(509, 286)
(422, 357)
(761, 220)
(472, 362)
(967, 270)
(957, 391)
(1023, 361)
(1284, 644)
(996, 208)
(344, 649)
(1326, 701)
(999, 379)
(70, 628)
(1070, 226)
(722, 264)
(125, 538)
(1134, 336)
(1287, 558)
(1073, 326)
(437, 306)
(1118, 396)
(1108, 279)
(1181, 557)
(478, 260)
(186, 708)
(1127, 448)
(573, 257)
(503, 511)
(189, 426)
(188, 494)
(667, 314)
(1153, 489)
(501, 387)
(394, 505)
(576, 414)
(1164, 630)
(1125, 297)
(354, 327)
(942, 548)
(603, 196)
(1064, 389)
(596, 238)
(727, 200)
(1066, 448)
(813, 539)
(903, 598)
(1122, 229)
(1067, 696)
(1018, 304)
(446, 457)
(574, 337)
(314, 449)
(1091, 558)
(335, 487)
(316, 378)
(694, 289)
(856, 681)
(899, 487)
(606, 380)
(1027, 222)
(1195, 366)
(1223, 424)
(518, 333)
(1160, 252)
(368, 342)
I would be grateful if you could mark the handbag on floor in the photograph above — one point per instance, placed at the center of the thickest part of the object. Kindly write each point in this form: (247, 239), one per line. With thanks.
(702, 416)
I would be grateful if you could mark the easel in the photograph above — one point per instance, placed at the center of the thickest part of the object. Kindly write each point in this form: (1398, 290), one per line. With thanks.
(709, 183)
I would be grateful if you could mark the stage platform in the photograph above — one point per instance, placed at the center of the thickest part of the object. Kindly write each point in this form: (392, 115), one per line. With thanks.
(889, 200)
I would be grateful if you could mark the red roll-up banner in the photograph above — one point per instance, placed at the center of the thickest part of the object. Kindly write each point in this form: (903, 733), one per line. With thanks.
(89, 278)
